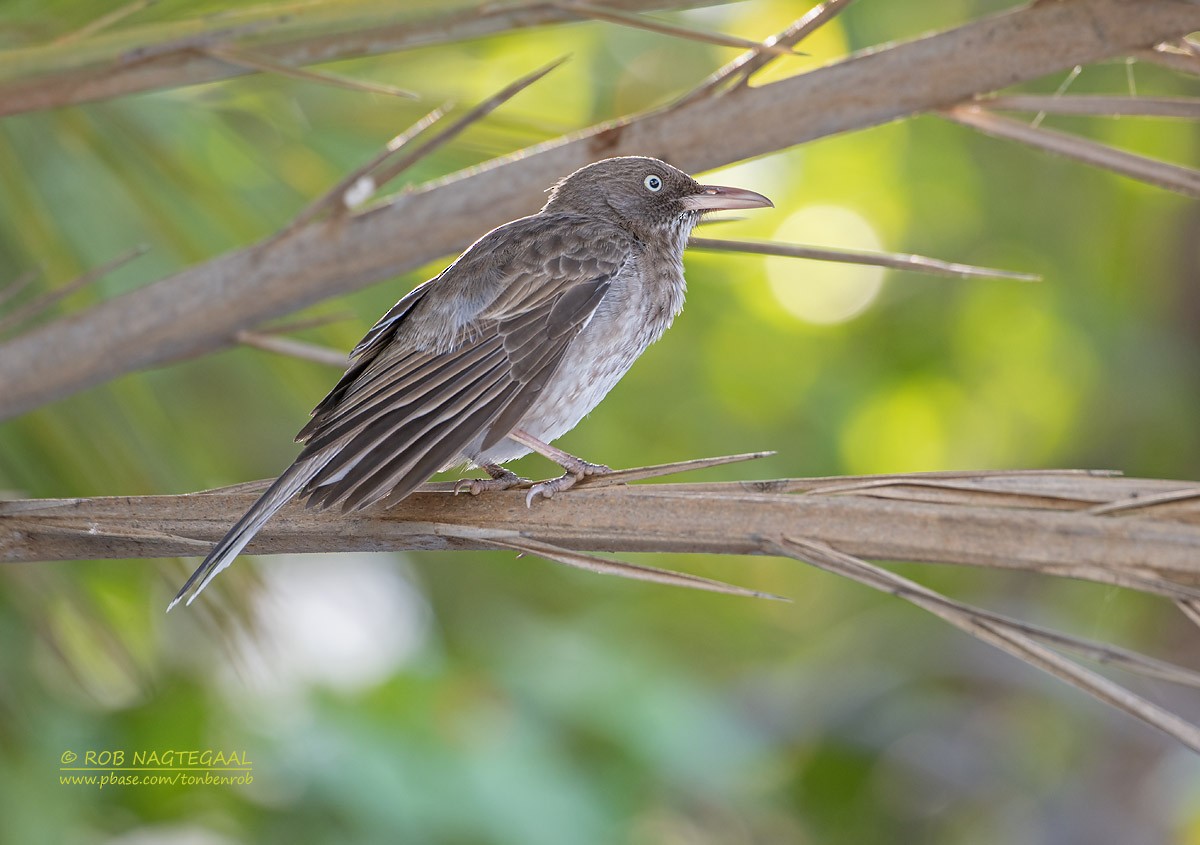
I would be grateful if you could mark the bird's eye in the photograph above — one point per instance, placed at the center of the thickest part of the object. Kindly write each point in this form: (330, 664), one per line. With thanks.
(653, 183)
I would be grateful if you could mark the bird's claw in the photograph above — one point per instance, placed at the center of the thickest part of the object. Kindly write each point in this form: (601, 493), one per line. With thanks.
(547, 489)
(573, 475)
(583, 469)
(475, 486)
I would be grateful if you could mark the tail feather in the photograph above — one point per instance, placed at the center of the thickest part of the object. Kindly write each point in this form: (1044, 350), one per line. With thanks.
(282, 491)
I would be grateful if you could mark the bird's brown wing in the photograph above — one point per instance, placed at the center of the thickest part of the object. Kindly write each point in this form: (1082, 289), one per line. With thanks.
(463, 355)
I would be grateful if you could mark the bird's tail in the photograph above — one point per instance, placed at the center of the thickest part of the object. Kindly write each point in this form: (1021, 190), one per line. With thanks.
(282, 491)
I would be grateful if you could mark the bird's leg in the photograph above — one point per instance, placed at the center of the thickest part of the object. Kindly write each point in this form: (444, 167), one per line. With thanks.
(576, 468)
(501, 479)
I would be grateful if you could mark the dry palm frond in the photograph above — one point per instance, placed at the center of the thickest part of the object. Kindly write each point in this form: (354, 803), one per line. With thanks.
(738, 72)
(41, 304)
(1044, 522)
(1100, 105)
(246, 59)
(1173, 177)
(605, 13)
(895, 261)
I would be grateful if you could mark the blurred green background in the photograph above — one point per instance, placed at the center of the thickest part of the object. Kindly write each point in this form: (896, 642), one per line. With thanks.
(475, 698)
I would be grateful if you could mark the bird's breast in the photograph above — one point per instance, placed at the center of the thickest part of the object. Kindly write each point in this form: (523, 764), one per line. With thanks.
(639, 306)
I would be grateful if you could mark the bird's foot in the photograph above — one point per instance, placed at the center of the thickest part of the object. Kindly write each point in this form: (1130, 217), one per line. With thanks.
(577, 468)
(501, 479)
(547, 489)
(577, 471)
(580, 468)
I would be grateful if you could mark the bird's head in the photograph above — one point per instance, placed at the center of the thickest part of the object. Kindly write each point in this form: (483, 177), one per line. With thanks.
(642, 193)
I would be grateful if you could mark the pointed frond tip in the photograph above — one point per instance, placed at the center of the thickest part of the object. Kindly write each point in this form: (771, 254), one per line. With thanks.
(1018, 639)
(636, 21)
(633, 571)
(622, 476)
(43, 303)
(892, 260)
(1172, 177)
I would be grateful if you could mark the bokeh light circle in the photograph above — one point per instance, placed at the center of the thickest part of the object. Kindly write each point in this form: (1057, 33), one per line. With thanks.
(822, 291)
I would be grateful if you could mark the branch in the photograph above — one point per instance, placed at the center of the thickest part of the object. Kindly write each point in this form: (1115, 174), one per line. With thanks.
(11, 290)
(604, 13)
(1173, 177)
(295, 349)
(47, 300)
(891, 260)
(250, 61)
(1035, 521)
(738, 72)
(1097, 105)
(1008, 635)
(171, 54)
(1040, 521)
(103, 22)
(203, 308)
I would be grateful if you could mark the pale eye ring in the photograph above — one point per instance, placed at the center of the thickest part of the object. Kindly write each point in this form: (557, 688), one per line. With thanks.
(653, 183)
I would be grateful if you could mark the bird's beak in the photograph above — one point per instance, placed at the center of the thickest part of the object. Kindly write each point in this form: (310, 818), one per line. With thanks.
(717, 198)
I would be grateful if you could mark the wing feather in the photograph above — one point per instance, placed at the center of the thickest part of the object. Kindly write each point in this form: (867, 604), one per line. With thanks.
(364, 355)
(392, 432)
(534, 362)
(464, 355)
(421, 380)
(403, 471)
(460, 358)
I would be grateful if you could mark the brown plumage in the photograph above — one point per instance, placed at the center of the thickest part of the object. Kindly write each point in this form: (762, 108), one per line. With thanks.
(504, 351)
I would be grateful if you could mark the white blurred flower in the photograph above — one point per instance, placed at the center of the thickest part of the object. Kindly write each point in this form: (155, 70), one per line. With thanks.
(346, 621)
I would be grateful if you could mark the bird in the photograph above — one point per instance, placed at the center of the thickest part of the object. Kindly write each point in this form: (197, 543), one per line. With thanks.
(501, 353)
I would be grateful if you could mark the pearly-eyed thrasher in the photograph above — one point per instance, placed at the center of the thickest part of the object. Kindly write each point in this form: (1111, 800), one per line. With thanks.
(504, 351)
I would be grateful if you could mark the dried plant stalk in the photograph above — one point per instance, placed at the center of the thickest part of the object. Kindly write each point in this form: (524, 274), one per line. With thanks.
(1173, 177)
(607, 13)
(46, 301)
(997, 631)
(174, 53)
(1035, 521)
(1187, 108)
(1043, 522)
(143, 328)
(891, 260)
